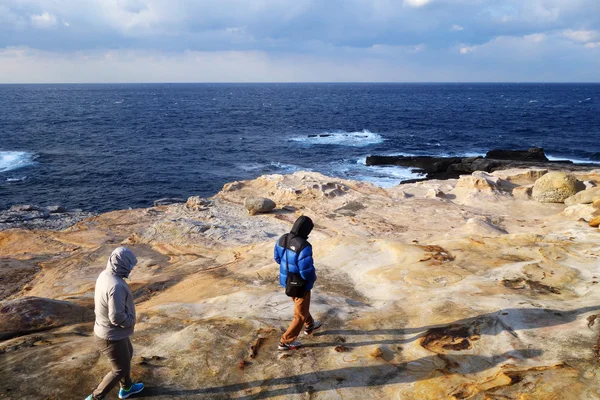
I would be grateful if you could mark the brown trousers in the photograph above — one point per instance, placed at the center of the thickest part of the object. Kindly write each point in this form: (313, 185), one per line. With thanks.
(119, 353)
(302, 318)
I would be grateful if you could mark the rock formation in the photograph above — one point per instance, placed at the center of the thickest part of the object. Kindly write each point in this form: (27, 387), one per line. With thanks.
(477, 294)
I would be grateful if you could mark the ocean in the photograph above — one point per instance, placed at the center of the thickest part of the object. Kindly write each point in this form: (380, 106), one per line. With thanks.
(115, 146)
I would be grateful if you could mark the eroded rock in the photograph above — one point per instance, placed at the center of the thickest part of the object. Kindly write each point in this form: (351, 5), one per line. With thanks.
(555, 187)
(34, 314)
(256, 205)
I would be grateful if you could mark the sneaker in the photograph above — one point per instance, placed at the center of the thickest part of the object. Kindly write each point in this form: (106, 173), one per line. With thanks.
(90, 397)
(135, 388)
(310, 329)
(289, 346)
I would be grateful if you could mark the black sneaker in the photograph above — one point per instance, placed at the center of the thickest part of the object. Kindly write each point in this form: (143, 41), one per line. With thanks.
(289, 346)
(313, 327)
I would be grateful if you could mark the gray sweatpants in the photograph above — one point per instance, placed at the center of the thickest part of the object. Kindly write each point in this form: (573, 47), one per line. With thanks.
(119, 353)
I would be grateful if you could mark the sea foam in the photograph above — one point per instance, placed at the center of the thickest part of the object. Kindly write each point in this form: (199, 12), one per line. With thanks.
(10, 160)
(342, 138)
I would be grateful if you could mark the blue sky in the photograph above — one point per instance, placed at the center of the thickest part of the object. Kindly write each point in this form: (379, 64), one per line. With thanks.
(299, 40)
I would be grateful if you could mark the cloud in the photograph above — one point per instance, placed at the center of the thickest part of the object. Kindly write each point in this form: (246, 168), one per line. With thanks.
(43, 20)
(583, 36)
(388, 33)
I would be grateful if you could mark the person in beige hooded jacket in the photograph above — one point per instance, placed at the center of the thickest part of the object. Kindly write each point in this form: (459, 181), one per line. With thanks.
(115, 321)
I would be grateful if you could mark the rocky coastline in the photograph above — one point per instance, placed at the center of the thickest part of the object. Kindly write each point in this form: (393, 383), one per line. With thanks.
(494, 160)
(482, 286)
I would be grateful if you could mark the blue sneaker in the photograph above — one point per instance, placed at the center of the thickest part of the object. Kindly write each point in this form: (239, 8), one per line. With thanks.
(135, 388)
(90, 397)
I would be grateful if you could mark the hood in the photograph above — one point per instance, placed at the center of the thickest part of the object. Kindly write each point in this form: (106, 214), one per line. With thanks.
(121, 262)
(302, 227)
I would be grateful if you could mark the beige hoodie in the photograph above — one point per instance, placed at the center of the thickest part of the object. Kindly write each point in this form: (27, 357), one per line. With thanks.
(115, 312)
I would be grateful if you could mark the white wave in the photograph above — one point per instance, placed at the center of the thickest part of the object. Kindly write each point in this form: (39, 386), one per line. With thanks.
(574, 160)
(382, 176)
(341, 138)
(10, 160)
(270, 168)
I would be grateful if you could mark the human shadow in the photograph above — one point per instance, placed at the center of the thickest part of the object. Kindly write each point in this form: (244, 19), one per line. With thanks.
(382, 374)
(509, 320)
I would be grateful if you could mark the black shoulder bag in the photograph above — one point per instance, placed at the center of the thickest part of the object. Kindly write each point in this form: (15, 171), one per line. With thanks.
(294, 284)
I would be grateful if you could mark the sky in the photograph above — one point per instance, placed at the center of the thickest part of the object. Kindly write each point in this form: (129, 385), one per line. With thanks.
(61, 41)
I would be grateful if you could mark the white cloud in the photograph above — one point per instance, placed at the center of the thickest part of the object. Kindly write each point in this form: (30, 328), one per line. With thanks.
(581, 36)
(592, 45)
(417, 3)
(43, 20)
(467, 49)
(457, 28)
(65, 23)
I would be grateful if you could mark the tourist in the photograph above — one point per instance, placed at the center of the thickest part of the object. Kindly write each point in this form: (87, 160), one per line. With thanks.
(297, 275)
(115, 320)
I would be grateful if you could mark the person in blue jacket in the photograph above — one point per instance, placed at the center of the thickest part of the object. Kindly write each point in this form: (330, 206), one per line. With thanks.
(293, 253)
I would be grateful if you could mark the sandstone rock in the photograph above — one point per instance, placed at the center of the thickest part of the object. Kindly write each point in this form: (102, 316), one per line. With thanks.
(596, 203)
(33, 314)
(480, 181)
(435, 194)
(555, 187)
(256, 205)
(589, 184)
(522, 192)
(595, 222)
(584, 197)
(585, 211)
(232, 186)
(198, 203)
(56, 209)
(521, 176)
(168, 201)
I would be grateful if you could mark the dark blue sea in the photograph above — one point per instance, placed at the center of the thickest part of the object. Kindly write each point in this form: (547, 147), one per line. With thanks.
(105, 147)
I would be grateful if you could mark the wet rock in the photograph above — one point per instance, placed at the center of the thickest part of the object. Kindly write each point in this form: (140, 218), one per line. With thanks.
(532, 154)
(584, 197)
(168, 201)
(24, 208)
(33, 314)
(56, 209)
(555, 187)
(256, 205)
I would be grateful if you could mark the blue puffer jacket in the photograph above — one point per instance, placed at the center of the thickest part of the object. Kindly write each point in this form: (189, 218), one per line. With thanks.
(302, 263)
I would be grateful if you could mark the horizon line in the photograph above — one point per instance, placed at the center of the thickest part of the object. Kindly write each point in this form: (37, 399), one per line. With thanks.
(300, 82)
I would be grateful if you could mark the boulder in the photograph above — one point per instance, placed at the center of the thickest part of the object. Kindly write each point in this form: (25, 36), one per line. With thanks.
(256, 205)
(532, 154)
(555, 187)
(168, 201)
(34, 314)
(596, 203)
(595, 222)
(584, 197)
